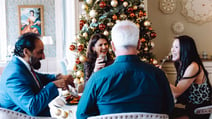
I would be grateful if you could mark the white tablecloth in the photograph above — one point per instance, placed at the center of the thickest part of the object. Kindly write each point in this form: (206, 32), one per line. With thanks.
(62, 111)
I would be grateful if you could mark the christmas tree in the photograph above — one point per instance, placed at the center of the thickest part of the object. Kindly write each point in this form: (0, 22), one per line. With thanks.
(100, 17)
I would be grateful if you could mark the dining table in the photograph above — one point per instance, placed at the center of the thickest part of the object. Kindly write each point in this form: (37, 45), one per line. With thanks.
(61, 109)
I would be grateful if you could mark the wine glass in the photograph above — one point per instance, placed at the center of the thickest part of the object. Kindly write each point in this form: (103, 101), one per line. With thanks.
(166, 58)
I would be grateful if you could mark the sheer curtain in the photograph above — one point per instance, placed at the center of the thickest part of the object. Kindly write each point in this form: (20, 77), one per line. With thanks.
(67, 20)
(3, 32)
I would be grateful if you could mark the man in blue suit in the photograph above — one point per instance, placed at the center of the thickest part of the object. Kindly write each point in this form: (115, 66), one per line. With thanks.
(24, 90)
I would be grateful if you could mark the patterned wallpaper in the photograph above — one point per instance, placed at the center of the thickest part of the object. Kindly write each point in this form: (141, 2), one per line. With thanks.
(49, 21)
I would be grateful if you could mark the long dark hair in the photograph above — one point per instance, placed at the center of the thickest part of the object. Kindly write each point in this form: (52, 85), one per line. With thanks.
(188, 54)
(92, 55)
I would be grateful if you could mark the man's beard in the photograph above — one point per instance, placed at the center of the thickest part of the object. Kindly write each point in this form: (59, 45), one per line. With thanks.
(35, 62)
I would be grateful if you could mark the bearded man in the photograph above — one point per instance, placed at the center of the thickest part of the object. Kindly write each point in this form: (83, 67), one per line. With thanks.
(24, 90)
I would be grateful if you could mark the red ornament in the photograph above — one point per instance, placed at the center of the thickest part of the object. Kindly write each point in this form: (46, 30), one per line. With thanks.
(145, 14)
(153, 34)
(142, 40)
(114, 17)
(82, 22)
(72, 47)
(77, 61)
(151, 60)
(121, 0)
(132, 15)
(102, 26)
(140, 13)
(80, 47)
(81, 27)
(102, 4)
(130, 10)
(150, 28)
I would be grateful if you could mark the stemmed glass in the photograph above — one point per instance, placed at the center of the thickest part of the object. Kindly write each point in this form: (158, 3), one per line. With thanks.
(166, 58)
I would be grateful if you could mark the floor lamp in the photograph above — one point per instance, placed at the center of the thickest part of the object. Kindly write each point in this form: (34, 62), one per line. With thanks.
(47, 40)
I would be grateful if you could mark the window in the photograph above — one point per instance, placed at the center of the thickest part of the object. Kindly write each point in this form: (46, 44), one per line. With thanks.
(3, 33)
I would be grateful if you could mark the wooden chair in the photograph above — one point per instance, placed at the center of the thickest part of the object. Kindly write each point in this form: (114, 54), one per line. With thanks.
(131, 115)
(10, 114)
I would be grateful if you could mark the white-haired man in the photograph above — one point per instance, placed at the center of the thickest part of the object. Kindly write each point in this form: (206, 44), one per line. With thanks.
(128, 85)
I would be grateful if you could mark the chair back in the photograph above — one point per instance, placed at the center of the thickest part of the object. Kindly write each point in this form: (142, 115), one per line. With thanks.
(203, 110)
(10, 114)
(131, 115)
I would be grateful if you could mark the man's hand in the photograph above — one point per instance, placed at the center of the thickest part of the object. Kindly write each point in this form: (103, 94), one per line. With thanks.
(63, 81)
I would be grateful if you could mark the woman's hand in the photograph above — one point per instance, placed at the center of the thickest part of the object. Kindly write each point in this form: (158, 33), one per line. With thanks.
(99, 64)
(159, 66)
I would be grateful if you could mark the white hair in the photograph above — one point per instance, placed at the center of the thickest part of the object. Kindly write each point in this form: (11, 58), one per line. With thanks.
(125, 33)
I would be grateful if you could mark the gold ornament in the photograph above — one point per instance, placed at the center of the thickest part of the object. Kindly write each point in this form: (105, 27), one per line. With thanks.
(152, 44)
(82, 80)
(114, 3)
(85, 35)
(125, 4)
(106, 33)
(135, 7)
(89, 1)
(123, 16)
(147, 23)
(84, 7)
(110, 24)
(146, 49)
(79, 73)
(93, 13)
(155, 61)
(76, 81)
(82, 58)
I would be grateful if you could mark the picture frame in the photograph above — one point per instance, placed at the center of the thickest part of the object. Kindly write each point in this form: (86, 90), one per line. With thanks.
(31, 19)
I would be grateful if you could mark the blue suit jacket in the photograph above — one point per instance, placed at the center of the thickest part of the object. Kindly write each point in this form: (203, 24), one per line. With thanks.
(19, 91)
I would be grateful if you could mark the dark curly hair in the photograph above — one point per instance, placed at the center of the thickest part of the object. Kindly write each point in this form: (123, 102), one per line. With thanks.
(26, 40)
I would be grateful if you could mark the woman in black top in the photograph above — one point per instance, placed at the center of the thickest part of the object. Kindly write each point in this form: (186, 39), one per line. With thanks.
(192, 87)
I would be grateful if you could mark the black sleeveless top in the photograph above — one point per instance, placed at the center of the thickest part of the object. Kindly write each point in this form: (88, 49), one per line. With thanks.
(196, 93)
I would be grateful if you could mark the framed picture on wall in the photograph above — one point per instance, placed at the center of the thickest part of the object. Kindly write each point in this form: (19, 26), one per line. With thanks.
(31, 19)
